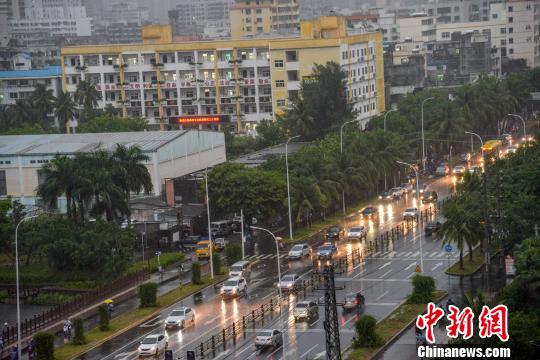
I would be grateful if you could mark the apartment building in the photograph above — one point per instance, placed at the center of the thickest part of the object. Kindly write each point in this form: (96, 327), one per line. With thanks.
(523, 30)
(249, 18)
(244, 80)
(210, 17)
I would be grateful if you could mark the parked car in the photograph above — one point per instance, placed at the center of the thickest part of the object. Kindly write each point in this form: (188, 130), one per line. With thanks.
(326, 251)
(459, 170)
(179, 317)
(220, 228)
(410, 213)
(268, 338)
(203, 249)
(306, 310)
(334, 232)
(369, 211)
(429, 196)
(234, 287)
(442, 170)
(386, 196)
(298, 251)
(220, 243)
(353, 300)
(290, 282)
(432, 227)
(357, 233)
(240, 269)
(153, 345)
(406, 187)
(397, 192)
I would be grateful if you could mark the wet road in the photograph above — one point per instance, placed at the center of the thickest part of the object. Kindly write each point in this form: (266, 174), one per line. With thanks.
(383, 277)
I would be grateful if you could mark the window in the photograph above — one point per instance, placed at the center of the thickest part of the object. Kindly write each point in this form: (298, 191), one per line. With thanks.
(494, 16)
(3, 187)
(248, 28)
(280, 102)
(13, 95)
(511, 40)
(510, 51)
(445, 35)
(503, 30)
(259, 20)
(510, 30)
(510, 19)
(503, 42)
(510, 8)
(259, 29)
(258, 11)
(278, 63)
(280, 83)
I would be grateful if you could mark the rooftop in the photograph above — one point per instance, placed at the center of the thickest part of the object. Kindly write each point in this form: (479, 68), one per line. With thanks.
(50, 144)
(259, 157)
(51, 71)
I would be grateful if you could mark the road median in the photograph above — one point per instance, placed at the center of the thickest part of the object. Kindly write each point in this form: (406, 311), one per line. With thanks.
(469, 267)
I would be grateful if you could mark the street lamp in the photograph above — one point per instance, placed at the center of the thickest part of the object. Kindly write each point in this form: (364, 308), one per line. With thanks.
(481, 141)
(210, 244)
(288, 184)
(523, 121)
(341, 151)
(279, 279)
(385, 115)
(19, 345)
(423, 140)
(417, 204)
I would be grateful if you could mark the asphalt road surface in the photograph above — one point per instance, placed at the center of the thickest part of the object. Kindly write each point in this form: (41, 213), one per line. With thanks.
(383, 277)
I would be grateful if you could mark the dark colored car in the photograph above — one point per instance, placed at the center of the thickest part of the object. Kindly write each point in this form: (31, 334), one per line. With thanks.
(432, 227)
(353, 301)
(369, 211)
(334, 232)
(429, 197)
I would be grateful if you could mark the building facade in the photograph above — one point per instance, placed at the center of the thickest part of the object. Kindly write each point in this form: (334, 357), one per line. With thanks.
(248, 80)
(19, 84)
(209, 17)
(249, 18)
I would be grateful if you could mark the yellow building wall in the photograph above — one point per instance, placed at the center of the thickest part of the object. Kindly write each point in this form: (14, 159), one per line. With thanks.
(156, 34)
(324, 27)
(237, 23)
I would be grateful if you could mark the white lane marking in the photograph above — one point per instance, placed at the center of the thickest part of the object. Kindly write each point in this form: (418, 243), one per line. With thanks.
(408, 254)
(400, 254)
(304, 355)
(320, 355)
(433, 254)
(436, 266)
(240, 352)
(385, 265)
(411, 275)
(371, 280)
(442, 253)
(300, 330)
(222, 353)
(360, 273)
(282, 256)
(381, 304)
(415, 254)
(357, 266)
(392, 254)
(209, 322)
(376, 254)
(411, 265)
(386, 273)
(125, 354)
(267, 256)
(382, 295)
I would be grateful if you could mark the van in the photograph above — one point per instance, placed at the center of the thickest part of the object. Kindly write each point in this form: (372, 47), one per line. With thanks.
(220, 228)
(240, 268)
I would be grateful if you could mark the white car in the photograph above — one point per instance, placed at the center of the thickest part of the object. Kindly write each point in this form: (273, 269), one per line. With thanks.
(298, 251)
(153, 345)
(459, 170)
(407, 187)
(397, 192)
(410, 213)
(290, 282)
(357, 233)
(511, 149)
(234, 287)
(306, 310)
(267, 338)
(179, 317)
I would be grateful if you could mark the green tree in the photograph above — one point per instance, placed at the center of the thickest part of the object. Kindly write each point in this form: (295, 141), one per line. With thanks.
(87, 95)
(44, 345)
(43, 101)
(112, 123)
(271, 133)
(366, 332)
(233, 253)
(148, 294)
(78, 338)
(196, 273)
(423, 289)
(65, 109)
(103, 317)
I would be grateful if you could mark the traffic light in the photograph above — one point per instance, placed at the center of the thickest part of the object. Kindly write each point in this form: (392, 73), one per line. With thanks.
(190, 355)
(168, 355)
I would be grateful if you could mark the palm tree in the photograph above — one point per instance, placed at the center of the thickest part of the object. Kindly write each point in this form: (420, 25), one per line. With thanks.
(23, 112)
(87, 95)
(43, 101)
(65, 109)
(60, 178)
(130, 173)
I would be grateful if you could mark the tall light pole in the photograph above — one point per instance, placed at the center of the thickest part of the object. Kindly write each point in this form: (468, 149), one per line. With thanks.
(288, 184)
(523, 121)
(385, 115)
(210, 244)
(423, 140)
(279, 279)
(417, 204)
(479, 138)
(19, 345)
(341, 152)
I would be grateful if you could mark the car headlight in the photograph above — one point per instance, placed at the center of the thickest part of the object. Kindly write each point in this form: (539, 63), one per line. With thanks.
(289, 285)
(380, 197)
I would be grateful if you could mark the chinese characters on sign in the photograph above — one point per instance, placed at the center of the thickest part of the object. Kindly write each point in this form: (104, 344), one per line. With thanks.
(491, 322)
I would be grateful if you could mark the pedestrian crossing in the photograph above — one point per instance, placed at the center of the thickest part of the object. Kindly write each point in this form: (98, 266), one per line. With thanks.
(264, 256)
(396, 255)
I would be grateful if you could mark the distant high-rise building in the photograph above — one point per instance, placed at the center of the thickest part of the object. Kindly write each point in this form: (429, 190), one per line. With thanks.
(200, 17)
(250, 18)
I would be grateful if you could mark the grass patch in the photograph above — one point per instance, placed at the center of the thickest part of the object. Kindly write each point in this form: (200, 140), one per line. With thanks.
(132, 318)
(469, 267)
(52, 299)
(393, 324)
(166, 260)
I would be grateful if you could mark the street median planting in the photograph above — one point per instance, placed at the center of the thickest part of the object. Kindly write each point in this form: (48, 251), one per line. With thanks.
(469, 267)
(132, 318)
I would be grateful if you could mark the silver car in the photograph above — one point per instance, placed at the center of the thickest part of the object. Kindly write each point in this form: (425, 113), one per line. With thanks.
(299, 251)
(290, 282)
(267, 338)
(305, 310)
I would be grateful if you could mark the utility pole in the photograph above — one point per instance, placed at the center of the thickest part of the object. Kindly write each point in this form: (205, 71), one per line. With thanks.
(331, 323)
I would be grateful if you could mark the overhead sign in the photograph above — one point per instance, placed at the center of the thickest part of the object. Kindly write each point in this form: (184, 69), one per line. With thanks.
(201, 119)
(448, 248)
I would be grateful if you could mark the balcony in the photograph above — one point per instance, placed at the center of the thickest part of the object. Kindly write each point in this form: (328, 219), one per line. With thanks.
(81, 67)
(118, 66)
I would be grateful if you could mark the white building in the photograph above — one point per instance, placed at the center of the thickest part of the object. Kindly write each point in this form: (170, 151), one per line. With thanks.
(523, 30)
(172, 154)
(19, 84)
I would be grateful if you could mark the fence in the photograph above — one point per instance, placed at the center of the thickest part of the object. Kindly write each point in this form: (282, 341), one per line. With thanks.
(62, 311)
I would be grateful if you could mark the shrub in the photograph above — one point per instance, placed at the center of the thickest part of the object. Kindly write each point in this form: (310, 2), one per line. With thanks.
(148, 294)
(103, 317)
(52, 299)
(216, 262)
(233, 253)
(196, 273)
(366, 331)
(79, 338)
(44, 345)
(3, 295)
(423, 288)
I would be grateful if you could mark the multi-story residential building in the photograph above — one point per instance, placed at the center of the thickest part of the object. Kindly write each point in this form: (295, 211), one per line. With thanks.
(247, 80)
(523, 30)
(210, 17)
(249, 18)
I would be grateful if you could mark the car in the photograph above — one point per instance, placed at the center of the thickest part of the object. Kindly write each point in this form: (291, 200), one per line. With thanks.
(179, 317)
(459, 170)
(465, 157)
(406, 187)
(397, 192)
(386, 196)
(421, 187)
(220, 228)
(290, 282)
(125, 224)
(475, 170)
(153, 345)
(511, 149)
(240, 269)
(442, 170)
(220, 243)
(326, 250)
(334, 232)
(369, 211)
(429, 196)
(268, 338)
(410, 213)
(432, 227)
(203, 249)
(298, 251)
(234, 287)
(506, 138)
(305, 310)
(353, 300)
(357, 233)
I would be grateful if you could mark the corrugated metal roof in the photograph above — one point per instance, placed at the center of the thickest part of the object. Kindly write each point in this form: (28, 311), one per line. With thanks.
(51, 71)
(148, 141)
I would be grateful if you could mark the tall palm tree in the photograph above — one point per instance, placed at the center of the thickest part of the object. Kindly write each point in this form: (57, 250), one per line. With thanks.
(43, 101)
(87, 95)
(65, 109)
(60, 178)
(23, 112)
(130, 173)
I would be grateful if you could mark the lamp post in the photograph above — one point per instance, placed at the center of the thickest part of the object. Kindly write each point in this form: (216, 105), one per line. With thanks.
(210, 244)
(417, 204)
(423, 140)
(481, 141)
(19, 345)
(341, 152)
(279, 279)
(288, 184)
(523, 121)
(385, 115)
